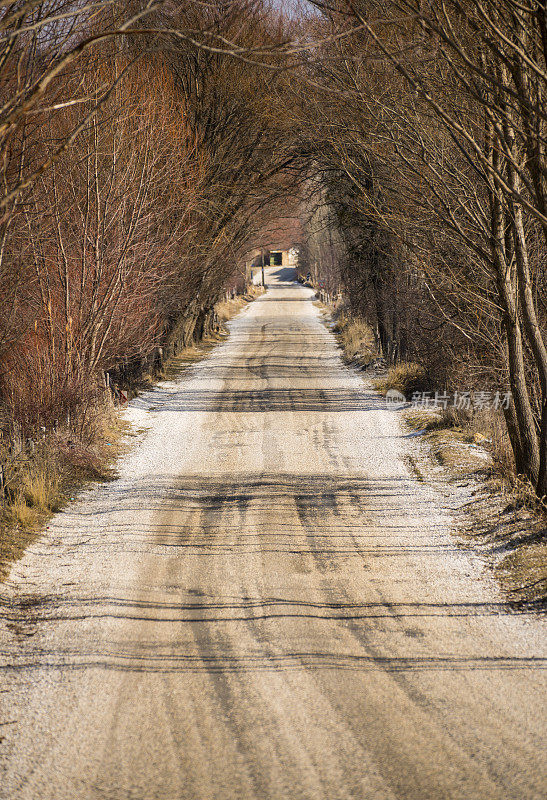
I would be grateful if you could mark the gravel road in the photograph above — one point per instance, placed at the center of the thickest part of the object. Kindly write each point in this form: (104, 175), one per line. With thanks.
(265, 604)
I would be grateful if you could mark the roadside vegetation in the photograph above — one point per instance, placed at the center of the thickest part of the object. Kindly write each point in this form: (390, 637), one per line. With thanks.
(356, 339)
(40, 478)
(425, 207)
(503, 518)
(135, 180)
(406, 378)
(425, 200)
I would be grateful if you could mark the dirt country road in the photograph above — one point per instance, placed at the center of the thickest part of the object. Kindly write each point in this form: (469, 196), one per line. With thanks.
(265, 604)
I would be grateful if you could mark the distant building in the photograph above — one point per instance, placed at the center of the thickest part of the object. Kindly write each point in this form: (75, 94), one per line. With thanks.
(270, 258)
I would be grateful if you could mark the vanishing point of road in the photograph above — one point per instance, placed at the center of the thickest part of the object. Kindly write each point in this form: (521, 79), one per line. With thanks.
(265, 604)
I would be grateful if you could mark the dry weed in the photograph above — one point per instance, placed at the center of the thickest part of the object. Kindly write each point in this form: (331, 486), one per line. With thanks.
(406, 378)
(356, 338)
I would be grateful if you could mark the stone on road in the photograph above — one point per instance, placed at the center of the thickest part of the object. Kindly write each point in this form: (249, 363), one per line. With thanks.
(265, 604)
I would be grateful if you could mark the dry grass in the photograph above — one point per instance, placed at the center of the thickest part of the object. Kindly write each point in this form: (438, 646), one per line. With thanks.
(356, 339)
(405, 378)
(39, 484)
(226, 309)
(39, 494)
(514, 539)
(425, 419)
(459, 453)
(20, 513)
(522, 573)
(40, 489)
(452, 441)
(505, 519)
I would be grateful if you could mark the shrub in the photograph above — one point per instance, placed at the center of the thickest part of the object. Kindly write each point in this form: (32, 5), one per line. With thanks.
(41, 489)
(21, 514)
(356, 338)
(406, 378)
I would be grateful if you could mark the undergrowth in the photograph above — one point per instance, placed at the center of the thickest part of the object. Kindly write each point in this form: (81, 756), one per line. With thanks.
(505, 518)
(226, 309)
(356, 338)
(39, 481)
(406, 378)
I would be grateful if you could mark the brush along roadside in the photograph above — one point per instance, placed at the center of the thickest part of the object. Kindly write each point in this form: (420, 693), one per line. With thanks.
(502, 517)
(180, 357)
(356, 338)
(186, 356)
(354, 335)
(38, 480)
(226, 309)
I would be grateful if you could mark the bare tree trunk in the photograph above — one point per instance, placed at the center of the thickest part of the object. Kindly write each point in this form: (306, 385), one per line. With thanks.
(525, 447)
(526, 296)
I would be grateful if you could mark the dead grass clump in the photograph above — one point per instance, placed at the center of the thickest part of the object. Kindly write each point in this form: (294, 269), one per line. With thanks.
(40, 488)
(520, 493)
(356, 338)
(37, 494)
(84, 461)
(406, 378)
(523, 575)
(226, 309)
(425, 419)
(439, 418)
(453, 417)
(19, 513)
(39, 482)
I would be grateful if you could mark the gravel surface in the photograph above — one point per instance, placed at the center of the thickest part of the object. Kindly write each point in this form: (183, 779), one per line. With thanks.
(265, 604)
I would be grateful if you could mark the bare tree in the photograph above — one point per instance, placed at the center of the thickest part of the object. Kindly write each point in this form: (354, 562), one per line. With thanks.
(451, 140)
